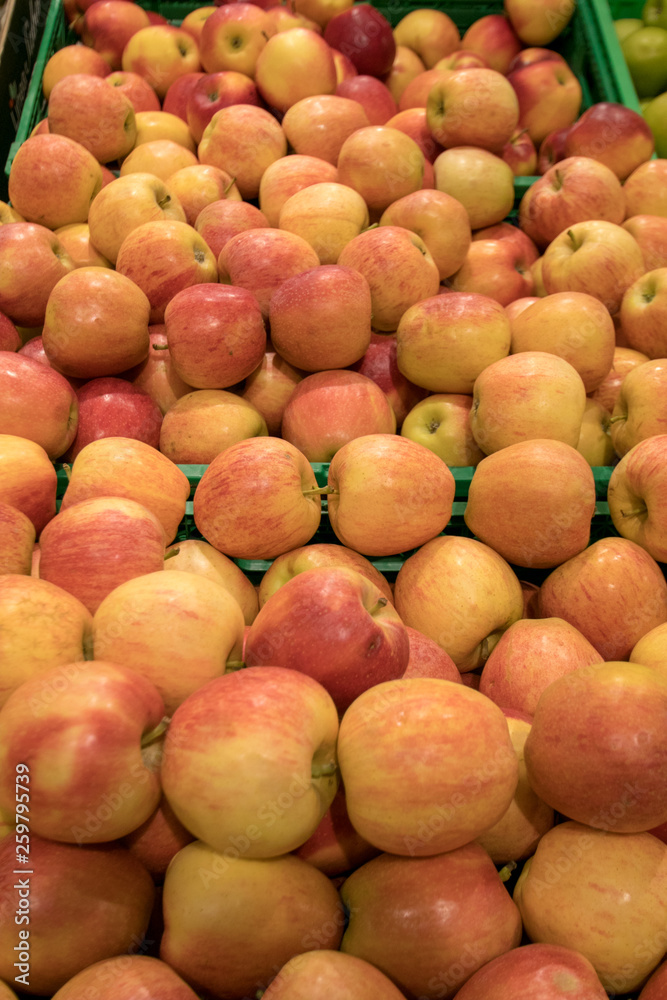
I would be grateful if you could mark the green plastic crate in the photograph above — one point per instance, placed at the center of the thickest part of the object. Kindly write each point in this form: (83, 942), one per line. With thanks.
(588, 44)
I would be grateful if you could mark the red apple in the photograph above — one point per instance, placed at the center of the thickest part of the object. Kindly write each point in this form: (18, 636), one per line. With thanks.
(28, 479)
(139, 92)
(269, 388)
(613, 134)
(76, 58)
(37, 403)
(156, 375)
(549, 96)
(535, 972)
(551, 149)
(520, 152)
(365, 36)
(214, 91)
(493, 37)
(108, 25)
(33, 261)
(115, 407)
(636, 496)
(372, 94)
(218, 221)
(318, 126)
(290, 174)
(379, 363)
(496, 269)
(124, 977)
(175, 101)
(473, 107)
(427, 659)
(101, 118)
(650, 231)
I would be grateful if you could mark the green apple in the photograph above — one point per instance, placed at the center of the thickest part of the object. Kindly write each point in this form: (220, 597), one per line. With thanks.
(624, 26)
(654, 12)
(645, 53)
(655, 116)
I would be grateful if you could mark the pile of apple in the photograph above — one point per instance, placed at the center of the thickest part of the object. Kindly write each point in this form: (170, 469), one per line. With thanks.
(316, 785)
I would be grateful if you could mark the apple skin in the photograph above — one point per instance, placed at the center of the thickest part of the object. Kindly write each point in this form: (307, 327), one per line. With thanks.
(613, 134)
(487, 589)
(321, 974)
(643, 311)
(366, 640)
(28, 479)
(327, 216)
(139, 92)
(64, 627)
(636, 496)
(72, 59)
(480, 180)
(55, 718)
(655, 985)
(497, 269)
(17, 539)
(439, 220)
(552, 149)
(520, 152)
(639, 411)
(196, 556)
(532, 526)
(549, 96)
(427, 659)
(625, 359)
(319, 554)
(160, 157)
(102, 895)
(203, 423)
(9, 335)
(473, 107)
(405, 67)
(53, 180)
(27, 250)
(214, 91)
(531, 654)
(413, 122)
(175, 101)
(493, 37)
(587, 885)
(292, 65)
(650, 231)
(243, 140)
(232, 38)
(335, 331)
(101, 118)
(38, 403)
(429, 32)
(328, 409)
(382, 164)
(125, 977)
(108, 25)
(220, 220)
(575, 189)
(156, 375)
(538, 26)
(535, 972)
(286, 176)
(269, 388)
(132, 627)
(124, 467)
(318, 125)
(441, 422)
(75, 238)
(253, 943)
(380, 365)
(365, 36)
(114, 407)
(390, 494)
(199, 185)
(613, 592)
(161, 53)
(372, 94)
(269, 504)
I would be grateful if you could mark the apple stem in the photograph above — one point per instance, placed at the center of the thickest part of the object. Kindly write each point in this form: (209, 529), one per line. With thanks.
(160, 347)
(319, 489)
(171, 553)
(382, 602)
(154, 734)
(323, 770)
(621, 416)
(373, 225)
(507, 870)
(636, 512)
(68, 470)
(229, 186)
(232, 665)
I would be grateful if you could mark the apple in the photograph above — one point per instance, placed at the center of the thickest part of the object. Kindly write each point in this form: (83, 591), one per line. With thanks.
(549, 96)
(318, 125)
(269, 387)
(156, 375)
(10, 339)
(37, 403)
(440, 422)
(427, 659)
(196, 556)
(496, 269)
(430, 33)
(587, 772)
(345, 68)
(650, 231)
(319, 974)
(379, 363)
(520, 152)
(444, 342)
(493, 37)
(270, 502)
(413, 122)
(161, 157)
(157, 840)
(28, 481)
(103, 897)
(70, 711)
(440, 220)
(161, 53)
(75, 240)
(126, 468)
(625, 359)
(529, 656)
(218, 221)
(108, 25)
(539, 25)
(327, 216)
(552, 149)
(101, 118)
(405, 67)
(43, 627)
(532, 525)
(655, 984)
(128, 202)
(155, 125)
(314, 556)
(382, 164)
(372, 94)
(639, 409)
(575, 326)
(175, 101)
(379, 508)
(595, 442)
(243, 141)
(115, 407)
(575, 189)
(258, 261)
(232, 38)
(17, 539)
(645, 189)
(286, 176)
(480, 180)
(123, 977)
(203, 423)
(76, 58)
(653, 116)
(195, 19)
(644, 52)
(473, 107)
(283, 907)
(452, 572)
(82, 335)
(635, 496)
(613, 134)
(363, 34)
(366, 641)
(395, 250)
(163, 258)
(516, 834)
(415, 94)
(597, 257)
(139, 92)
(535, 972)
(292, 65)
(515, 308)
(462, 59)
(613, 593)
(643, 312)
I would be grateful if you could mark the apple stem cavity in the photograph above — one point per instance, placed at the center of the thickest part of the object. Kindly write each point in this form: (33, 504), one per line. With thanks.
(323, 770)
(153, 735)
(635, 512)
